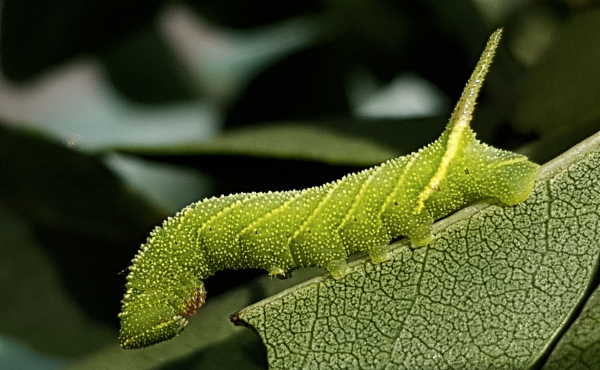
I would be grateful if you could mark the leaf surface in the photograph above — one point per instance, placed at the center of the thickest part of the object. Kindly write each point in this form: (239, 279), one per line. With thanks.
(579, 348)
(493, 290)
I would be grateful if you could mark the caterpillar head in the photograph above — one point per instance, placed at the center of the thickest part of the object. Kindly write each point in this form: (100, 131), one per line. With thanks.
(151, 316)
(164, 285)
(508, 176)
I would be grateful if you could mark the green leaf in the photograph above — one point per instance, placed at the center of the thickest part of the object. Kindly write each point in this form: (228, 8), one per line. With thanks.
(494, 289)
(285, 141)
(35, 305)
(212, 342)
(88, 26)
(579, 348)
(563, 87)
(85, 220)
(559, 100)
(209, 342)
(144, 68)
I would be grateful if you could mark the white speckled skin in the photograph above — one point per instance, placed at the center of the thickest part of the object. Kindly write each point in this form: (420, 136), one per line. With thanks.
(320, 226)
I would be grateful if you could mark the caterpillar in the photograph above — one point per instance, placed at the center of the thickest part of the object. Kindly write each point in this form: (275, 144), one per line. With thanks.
(319, 226)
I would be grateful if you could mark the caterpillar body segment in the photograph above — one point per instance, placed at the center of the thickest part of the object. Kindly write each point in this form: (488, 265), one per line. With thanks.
(319, 226)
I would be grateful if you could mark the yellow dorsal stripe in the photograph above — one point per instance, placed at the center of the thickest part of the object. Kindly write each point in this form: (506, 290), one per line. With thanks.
(509, 162)
(461, 117)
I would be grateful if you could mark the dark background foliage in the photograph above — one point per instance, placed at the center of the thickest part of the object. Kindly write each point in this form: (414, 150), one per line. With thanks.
(68, 203)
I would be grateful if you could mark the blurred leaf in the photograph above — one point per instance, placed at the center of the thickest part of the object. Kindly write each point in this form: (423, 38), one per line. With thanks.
(70, 226)
(556, 142)
(285, 141)
(246, 159)
(244, 14)
(533, 33)
(165, 185)
(560, 96)
(561, 93)
(209, 342)
(145, 69)
(38, 34)
(385, 38)
(89, 223)
(493, 290)
(579, 347)
(223, 60)
(277, 156)
(307, 84)
(35, 306)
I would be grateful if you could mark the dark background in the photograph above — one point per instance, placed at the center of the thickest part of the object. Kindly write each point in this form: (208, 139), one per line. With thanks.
(68, 208)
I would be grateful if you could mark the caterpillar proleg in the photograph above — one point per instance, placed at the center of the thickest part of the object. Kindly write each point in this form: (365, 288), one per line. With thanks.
(319, 226)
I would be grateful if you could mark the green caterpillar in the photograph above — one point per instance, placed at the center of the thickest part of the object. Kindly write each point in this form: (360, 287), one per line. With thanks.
(320, 226)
